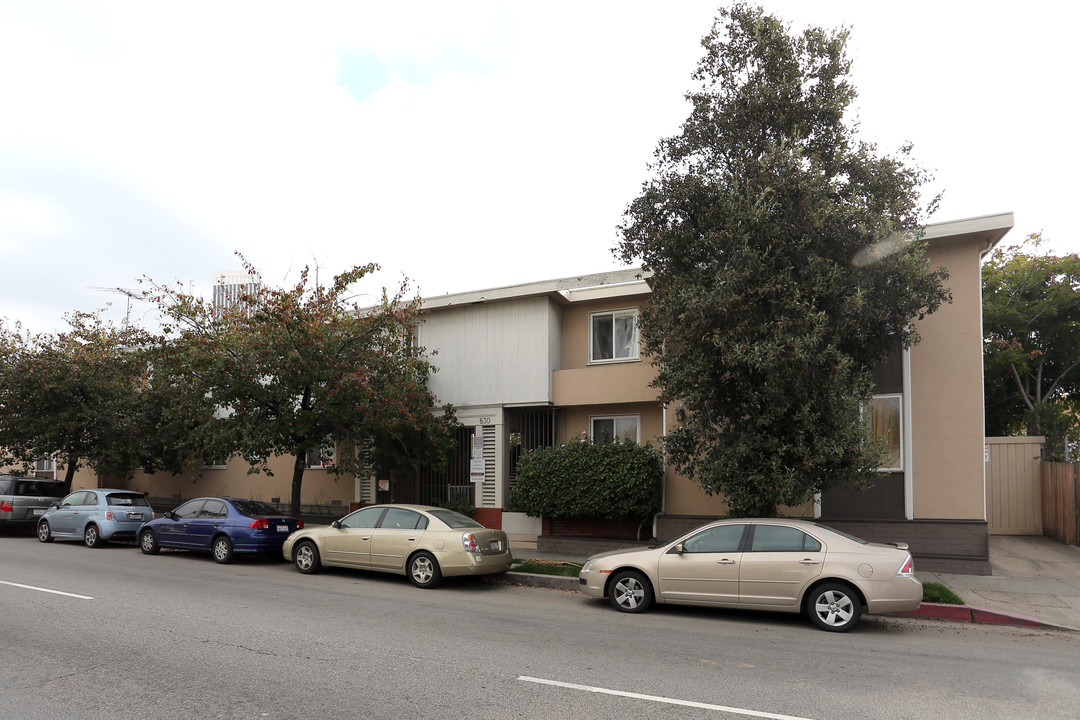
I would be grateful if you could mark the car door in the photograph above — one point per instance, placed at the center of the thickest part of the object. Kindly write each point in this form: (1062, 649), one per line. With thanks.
(779, 562)
(349, 541)
(704, 567)
(62, 520)
(173, 531)
(396, 537)
(206, 523)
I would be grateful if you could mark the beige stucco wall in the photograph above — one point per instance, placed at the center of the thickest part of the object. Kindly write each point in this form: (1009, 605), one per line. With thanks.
(947, 392)
(575, 327)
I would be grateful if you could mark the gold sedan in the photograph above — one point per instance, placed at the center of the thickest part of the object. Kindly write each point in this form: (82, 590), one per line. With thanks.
(781, 565)
(424, 543)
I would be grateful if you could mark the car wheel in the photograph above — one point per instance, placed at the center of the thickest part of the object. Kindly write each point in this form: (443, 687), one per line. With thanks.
(834, 607)
(630, 592)
(222, 549)
(92, 536)
(306, 557)
(44, 532)
(148, 542)
(424, 570)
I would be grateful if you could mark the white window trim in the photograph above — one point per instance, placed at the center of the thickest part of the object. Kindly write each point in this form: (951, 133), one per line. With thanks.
(616, 418)
(636, 357)
(899, 397)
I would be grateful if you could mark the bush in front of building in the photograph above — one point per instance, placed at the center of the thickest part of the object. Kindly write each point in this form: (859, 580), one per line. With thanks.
(612, 480)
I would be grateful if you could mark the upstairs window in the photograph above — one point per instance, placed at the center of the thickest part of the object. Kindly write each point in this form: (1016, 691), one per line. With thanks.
(621, 428)
(613, 336)
(885, 419)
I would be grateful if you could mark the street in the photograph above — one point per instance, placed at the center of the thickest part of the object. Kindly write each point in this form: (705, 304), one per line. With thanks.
(112, 633)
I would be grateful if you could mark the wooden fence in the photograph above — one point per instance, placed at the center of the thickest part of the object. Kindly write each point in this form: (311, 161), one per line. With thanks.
(1061, 501)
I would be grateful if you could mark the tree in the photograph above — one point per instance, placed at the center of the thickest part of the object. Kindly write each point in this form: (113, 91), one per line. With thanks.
(80, 395)
(1031, 328)
(300, 370)
(786, 263)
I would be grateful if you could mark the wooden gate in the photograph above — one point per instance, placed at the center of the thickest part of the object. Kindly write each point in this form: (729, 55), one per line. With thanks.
(1013, 487)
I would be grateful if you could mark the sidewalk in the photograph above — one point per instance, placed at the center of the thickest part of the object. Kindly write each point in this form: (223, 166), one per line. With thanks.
(1035, 581)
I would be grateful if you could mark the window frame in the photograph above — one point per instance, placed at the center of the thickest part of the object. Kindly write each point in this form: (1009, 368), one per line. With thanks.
(636, 341)
(615, 426)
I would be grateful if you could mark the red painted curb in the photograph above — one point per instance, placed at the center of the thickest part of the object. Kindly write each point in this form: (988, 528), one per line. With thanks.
(966, 613)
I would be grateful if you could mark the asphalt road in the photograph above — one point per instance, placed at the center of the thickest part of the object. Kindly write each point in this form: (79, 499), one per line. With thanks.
(178, 636)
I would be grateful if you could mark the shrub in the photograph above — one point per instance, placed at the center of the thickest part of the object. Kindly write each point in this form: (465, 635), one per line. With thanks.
(582, 479)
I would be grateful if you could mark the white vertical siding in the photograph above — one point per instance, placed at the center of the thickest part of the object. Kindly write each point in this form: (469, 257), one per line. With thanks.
(493, 354)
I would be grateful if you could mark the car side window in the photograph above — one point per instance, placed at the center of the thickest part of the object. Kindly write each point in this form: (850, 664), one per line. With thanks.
(365, 518)
(189, 509)
(780, 538)
(91, 499)
(723, 538)
(75, 498)
(400, 519)
(214, 509)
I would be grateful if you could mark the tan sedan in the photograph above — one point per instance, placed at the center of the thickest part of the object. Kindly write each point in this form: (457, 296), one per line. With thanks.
(782, 565)
(424, 543)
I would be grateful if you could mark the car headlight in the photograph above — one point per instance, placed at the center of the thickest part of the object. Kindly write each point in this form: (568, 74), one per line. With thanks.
(588, 565)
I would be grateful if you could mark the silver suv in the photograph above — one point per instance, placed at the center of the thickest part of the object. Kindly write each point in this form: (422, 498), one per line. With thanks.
(23, 500)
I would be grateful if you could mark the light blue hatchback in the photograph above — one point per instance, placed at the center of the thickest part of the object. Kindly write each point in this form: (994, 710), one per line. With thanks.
(95, 517)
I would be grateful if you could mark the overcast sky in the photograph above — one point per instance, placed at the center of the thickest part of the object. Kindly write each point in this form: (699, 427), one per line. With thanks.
(463, 145)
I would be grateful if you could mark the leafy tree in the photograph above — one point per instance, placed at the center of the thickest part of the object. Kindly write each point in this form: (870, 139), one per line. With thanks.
(583, 479)
(1031, 326)
(303, 369)
(785, 264)
(80, 395)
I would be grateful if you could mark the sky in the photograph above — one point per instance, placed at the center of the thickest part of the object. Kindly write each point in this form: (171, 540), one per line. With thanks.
(461, 146)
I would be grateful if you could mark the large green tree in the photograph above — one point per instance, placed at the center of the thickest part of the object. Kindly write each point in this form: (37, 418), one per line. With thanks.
(1031, 326)
(303, 369)
(80, 395)
(785, 263)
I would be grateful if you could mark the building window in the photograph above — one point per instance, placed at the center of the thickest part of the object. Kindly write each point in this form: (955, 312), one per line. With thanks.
(45, 464)
(321, 457)
(620, 428)
(885, 421)
(613, 336)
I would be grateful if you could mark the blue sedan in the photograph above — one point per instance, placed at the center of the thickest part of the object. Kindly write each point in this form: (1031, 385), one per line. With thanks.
(221, 526)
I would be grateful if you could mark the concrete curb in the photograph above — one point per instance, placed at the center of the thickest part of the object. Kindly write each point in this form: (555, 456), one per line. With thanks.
(926, 611)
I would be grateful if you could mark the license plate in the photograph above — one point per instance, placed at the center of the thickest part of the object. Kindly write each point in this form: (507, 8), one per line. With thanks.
(496, 545)
(134, 516)
(39, 511)
(283, 528)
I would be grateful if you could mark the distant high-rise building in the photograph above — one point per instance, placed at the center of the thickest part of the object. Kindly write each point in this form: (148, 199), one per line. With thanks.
(230, 287)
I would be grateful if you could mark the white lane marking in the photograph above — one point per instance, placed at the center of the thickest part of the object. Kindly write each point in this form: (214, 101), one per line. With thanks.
(46, 590)
(659, 699)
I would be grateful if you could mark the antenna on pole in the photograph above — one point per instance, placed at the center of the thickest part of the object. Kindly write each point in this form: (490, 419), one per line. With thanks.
(120, 291)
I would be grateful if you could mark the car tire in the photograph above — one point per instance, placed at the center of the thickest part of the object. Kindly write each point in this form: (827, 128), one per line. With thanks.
(630, 592)
(306, 558)
(148, 543)
(44, 532)
(222, 549)
(424, 570)
(834, 607)
(92, 536)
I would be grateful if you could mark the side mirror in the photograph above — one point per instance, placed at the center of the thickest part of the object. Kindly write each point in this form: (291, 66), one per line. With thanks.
(169, 514)
(680, 549)
(336, 524)
(55, 505)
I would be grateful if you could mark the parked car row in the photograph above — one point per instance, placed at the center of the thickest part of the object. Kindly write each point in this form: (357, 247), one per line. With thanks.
(779, 565)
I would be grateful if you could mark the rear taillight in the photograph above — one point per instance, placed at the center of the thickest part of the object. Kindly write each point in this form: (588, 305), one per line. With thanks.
(260, 524)
(470, 542)
(109, 515)
(299, 524)
(907, 569)
(6, 506)
(154, 515)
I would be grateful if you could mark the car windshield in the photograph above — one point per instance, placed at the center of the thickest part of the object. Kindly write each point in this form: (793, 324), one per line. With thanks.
(454, 519)
(127, 499)
(255, 508)
(841, 533)
(38, 488)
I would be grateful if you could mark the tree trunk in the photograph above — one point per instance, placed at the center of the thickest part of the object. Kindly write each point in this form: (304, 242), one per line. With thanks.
(297, 479)
(69, 473)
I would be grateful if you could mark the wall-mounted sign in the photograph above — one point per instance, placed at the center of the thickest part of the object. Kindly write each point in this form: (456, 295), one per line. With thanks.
(476, 469)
